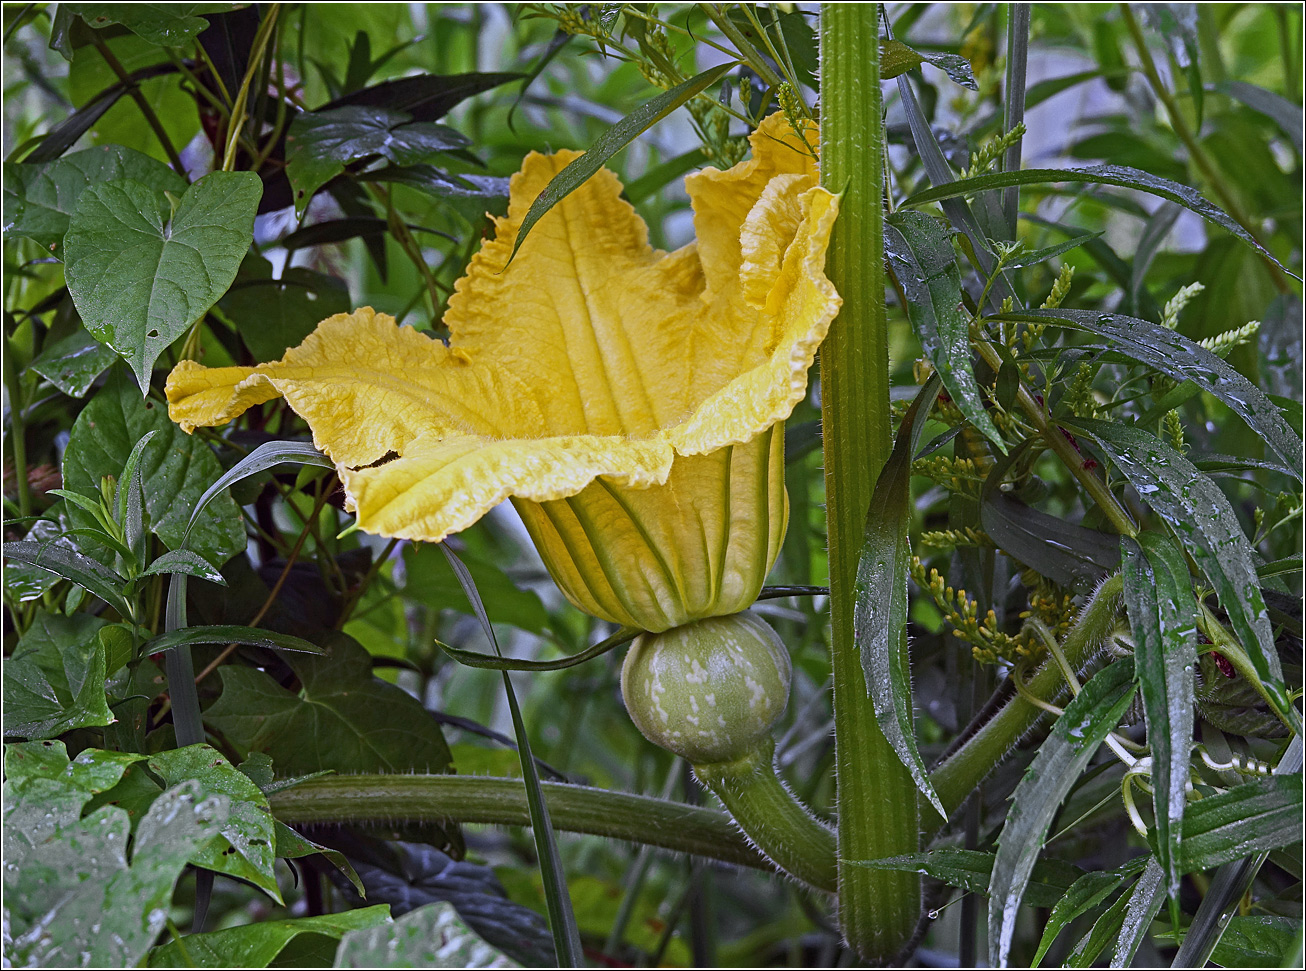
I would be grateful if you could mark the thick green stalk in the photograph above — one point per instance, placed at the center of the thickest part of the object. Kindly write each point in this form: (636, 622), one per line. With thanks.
(772, 817)
(878, 815)
(344, 799)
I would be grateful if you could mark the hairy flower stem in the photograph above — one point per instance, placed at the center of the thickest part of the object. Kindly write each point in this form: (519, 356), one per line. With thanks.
(878, 815)
(770, 815)
(958, 775)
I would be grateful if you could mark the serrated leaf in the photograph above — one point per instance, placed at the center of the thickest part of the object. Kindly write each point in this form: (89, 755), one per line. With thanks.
(1121, 175)
(76, 902)
(40, 198)
(1103, 932)
(247, 848)
(273, 315)
(140, 274)
(1184, 360)
(54, 680)
(611, 142)
(73, 364)
(175, 471)
(1162, 610)
(433, 936)
(1205, 522)
(1074, 739)
(87, 573)
(920, 253)
(880, 611)
(359, 724)
(321, 143)
(258, 945)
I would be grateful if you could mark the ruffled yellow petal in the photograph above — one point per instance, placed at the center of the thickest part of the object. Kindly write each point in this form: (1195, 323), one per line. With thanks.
(590, 356)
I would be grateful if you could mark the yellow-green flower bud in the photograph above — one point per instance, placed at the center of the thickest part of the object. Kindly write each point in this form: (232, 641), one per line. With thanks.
(708, 691)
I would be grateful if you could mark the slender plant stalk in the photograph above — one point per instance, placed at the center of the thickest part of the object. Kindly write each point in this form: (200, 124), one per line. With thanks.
(343, 799)
(878, 814)
(1017, 60)
(134, 92)
(242, 96)
(17, 432)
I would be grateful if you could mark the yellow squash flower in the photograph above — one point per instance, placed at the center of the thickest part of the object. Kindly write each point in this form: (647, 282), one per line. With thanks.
(629, 401)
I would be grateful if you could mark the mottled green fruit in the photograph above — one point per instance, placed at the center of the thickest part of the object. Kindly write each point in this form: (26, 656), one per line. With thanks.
(710, 690)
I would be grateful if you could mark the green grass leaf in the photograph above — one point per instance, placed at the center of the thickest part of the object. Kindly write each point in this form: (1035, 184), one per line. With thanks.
(611, 142)
(1163, 617)
(880, 613)
(920, 253)
(1074, 740)
(140, 274)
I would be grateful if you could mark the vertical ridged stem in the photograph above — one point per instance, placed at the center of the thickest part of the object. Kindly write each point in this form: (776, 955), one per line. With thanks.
(876, 797)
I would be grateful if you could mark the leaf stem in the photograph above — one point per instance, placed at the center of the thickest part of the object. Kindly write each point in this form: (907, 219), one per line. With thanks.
(878, 814)
(746, 50)
(134, 92)
(17, 432)
(343, 799)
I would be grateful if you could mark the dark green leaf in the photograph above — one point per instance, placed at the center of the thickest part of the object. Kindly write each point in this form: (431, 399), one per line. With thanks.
(1163, 617)
(321, 143)
(1121, 175)
(246, 850)
(880, 612)
(661, 175)
(1280, 110)
(971, 869)
(1208, 527)
(1184, 360)
(480, 189)
(273, 315)
(1084, 894)
(1252, 818)
(141, 273)
(54, 680)
(1047, 252)
(81, 570)
(73, 364)
(475, 659)
(430, 580)
(1255, 941)
(39, 199)
(1146, 899)
(920, 254)
(611, 142)
(175, 25)
(1105, 929)
(1075, 738)
(258, 945)
(358, 723)
(425, 96)
(294, 846)
(428, 937)
(184, 561)
(175, 471)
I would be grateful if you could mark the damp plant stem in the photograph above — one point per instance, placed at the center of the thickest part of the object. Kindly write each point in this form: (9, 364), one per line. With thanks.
(877, 808)
(772, 817)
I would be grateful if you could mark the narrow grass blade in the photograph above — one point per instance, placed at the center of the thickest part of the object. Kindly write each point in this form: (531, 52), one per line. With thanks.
(1014, 114)
(611, 142)
(1075, 738)
(1185, 360)
(880, 614)
(1144, 902)
(562, 919)
(921, 255)
(1163, 617)
(1121, 175)
(231, 634)
(1204, 520)
(87, 573)
(475, 659)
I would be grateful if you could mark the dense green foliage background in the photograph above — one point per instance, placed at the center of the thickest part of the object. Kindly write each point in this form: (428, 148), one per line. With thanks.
(118, 117)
